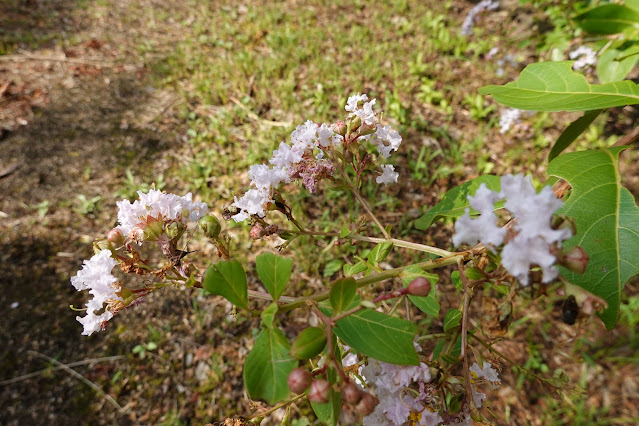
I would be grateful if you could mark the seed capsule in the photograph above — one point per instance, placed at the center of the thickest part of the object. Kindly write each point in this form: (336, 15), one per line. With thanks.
(299, 380)
(319, 392)
(420, 286)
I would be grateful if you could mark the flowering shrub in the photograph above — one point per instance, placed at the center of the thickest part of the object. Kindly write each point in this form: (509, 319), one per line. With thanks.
(366, 361)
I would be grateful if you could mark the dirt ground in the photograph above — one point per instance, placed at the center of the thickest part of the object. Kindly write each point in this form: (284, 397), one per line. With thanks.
(76, 112)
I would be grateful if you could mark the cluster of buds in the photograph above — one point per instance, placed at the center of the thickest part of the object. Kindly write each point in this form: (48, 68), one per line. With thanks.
(311, 156)
(356, 403)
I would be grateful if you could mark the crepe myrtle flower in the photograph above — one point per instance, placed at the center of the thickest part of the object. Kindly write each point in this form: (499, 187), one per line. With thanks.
(389, 175)
(96, 277)
(535, 237)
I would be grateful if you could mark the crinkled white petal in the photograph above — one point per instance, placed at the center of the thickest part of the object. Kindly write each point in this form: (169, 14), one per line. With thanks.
(585, 57)
(508, 118)
(488, 373)
(478, 397)
(92, 322)
(95, 272)
(389, 175)
(252, 202)
(304, 137)
(263, 177)
(388, 140)
(484, 228)
(351, 103)
(521, 253)
(366, 113)
(324, 134)
(284, 157)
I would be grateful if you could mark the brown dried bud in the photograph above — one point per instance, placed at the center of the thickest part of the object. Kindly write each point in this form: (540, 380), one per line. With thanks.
(299, 380)
(367, 404)
(575, 260)
(115, 236)
(420, 286)
(319, 392)
(351, 394)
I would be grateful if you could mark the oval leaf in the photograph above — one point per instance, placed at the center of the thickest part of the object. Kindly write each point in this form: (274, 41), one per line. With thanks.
(452, 320)
(610, 68)
(554, 86)
(608, 19)
(274, 272)
(454, 202)
(309, 343)
(342, 294)
(227, 279)
(267, 367)
(379, 252)
(607, 219)
(380, 336)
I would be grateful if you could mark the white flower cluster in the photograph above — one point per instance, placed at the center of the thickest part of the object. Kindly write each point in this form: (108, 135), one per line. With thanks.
(469, 22)
(96, 277)
(508, 118)
(585, 57)
(156, 204)
(533, 212)
(303, 158)
(395, 404)
(488, 373)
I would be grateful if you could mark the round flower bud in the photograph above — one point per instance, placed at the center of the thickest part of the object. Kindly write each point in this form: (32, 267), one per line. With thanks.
(348, 416)
(319, 392)
(367, 404)
(299, 380)
(367, 129)
(340, 128)
(575, 259)
(257, 232)
(351, 394)
(115, 236)
(210, 226)
(420, 286)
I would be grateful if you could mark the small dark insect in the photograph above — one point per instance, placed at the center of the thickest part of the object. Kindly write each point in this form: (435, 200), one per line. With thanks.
(570, 310)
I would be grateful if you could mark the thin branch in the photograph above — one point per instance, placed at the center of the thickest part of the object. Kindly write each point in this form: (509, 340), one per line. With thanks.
(73, 364)
(629, 138)
(81, 378)
(464, 330)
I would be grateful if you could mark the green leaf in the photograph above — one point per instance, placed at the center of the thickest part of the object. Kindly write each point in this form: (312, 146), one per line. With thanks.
(342, 294)
(608, 19)
(309, 343)
(572, 132)
(267, 367)
(227, 279)
(274, 271)
(609, 69)
(332, 267)
(634, 4)
(428, 304)
(607, 219)
(379, 252)
(268, 315)
(350, 270)
(554, 86)
(454, 202)
(380, 336)
(344, 232)
(452, 320)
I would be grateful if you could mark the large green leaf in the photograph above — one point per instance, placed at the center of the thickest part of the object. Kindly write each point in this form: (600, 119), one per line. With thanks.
(427, 304)
(554, 86)
(607, 219)
(380, 336)
(610, 68)
(228, 279)
(267, 367)
(608, 19)
(454, 202)
(274, 271)
(572, 132)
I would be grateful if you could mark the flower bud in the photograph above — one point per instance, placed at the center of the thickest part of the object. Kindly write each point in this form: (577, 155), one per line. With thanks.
(353, 122)
(100, 245)
(367, 129)
(351, 394)
(154, 228)
(420, 286)
(257, 232)
(319, 392)
(340, 128)
(367, 404)
(175, 230)
(575, 260)
(299, 380)
(347, 416)
(210, 226)
(115, 236)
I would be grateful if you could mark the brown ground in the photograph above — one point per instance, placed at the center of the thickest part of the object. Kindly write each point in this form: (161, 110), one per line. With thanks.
(77, 111)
